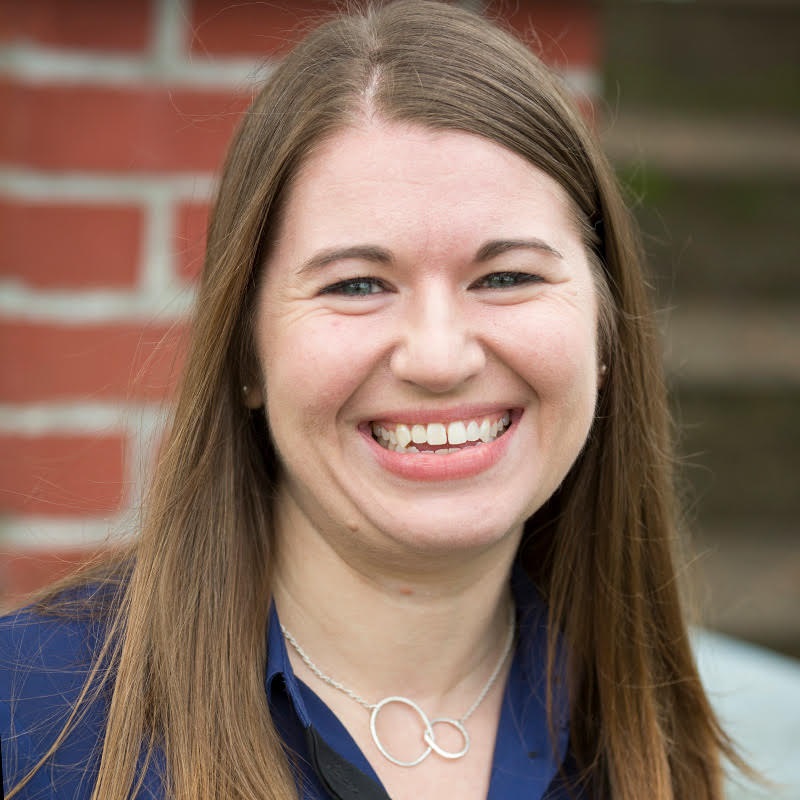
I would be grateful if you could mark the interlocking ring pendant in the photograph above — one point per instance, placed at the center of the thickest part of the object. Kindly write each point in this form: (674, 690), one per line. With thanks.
(428, 736)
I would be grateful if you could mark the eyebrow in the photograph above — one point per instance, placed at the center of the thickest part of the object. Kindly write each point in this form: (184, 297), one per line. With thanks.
(363, 252)
(497, 247)
(379, 255)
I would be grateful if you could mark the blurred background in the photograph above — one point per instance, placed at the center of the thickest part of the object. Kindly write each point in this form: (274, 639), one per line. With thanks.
(114, 118)
(701, 116)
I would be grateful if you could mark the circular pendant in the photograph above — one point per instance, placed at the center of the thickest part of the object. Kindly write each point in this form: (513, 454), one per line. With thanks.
(375, 738)
(430, 737)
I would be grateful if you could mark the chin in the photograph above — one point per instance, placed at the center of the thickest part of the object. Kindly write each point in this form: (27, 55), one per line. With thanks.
(443, 535)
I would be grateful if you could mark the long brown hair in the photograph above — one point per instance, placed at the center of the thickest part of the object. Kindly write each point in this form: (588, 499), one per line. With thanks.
(600, 549)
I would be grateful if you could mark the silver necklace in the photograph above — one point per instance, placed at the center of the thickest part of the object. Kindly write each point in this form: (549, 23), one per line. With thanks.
(429, 732)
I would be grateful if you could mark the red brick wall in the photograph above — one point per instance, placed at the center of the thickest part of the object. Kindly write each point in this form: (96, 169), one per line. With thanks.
(115, 116)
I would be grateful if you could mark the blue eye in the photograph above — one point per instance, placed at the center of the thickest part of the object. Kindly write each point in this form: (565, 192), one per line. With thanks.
(355, 287)
(505, 280)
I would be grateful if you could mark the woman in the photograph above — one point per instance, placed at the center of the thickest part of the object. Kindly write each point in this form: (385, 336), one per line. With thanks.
(411, 531)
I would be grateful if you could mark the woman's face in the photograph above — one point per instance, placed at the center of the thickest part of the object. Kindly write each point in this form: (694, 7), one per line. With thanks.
(426, 331)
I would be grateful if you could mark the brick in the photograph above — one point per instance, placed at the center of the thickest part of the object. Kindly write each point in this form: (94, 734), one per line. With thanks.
(61, 475)
(563, 33)
(253, 29)
(49, 362)
(70, 246)
(569, 30)
(123, 25)
(24, 572)
(129, 129)
(190, 238)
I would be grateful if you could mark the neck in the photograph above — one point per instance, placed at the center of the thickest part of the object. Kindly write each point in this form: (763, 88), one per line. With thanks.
(385, 626)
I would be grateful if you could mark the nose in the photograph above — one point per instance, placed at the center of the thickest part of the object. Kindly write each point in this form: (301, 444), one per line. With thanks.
(437, 348)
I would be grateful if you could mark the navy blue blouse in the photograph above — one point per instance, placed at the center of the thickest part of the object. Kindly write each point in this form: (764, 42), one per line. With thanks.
(45, 661)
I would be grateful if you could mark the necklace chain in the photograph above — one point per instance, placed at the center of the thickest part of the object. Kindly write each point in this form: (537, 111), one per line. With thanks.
(429, 735)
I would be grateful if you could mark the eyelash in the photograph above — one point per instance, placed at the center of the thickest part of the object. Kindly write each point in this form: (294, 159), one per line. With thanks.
(351, 287)
(355, 287)
(509, 280)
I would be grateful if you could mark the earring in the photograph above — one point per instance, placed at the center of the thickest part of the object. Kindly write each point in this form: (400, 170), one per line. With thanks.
(253, 397)
(603, 368)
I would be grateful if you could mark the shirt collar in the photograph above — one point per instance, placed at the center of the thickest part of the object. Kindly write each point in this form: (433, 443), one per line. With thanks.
(280, 668)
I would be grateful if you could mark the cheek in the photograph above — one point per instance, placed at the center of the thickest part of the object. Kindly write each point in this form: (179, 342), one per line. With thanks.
(556, 352)
(311, 366)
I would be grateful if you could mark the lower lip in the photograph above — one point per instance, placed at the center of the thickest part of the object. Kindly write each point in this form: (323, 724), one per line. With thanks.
(466, 463)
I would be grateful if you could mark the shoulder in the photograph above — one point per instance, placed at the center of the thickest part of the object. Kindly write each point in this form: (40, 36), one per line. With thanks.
(49, 648)
(46, 660)
(36, 645)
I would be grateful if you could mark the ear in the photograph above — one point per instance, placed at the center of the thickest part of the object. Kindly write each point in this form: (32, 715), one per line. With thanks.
(253, 397)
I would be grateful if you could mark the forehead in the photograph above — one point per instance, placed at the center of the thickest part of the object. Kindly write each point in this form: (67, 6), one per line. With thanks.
(385, 179)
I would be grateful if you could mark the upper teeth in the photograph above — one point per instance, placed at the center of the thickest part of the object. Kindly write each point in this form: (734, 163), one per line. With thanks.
(399, 437)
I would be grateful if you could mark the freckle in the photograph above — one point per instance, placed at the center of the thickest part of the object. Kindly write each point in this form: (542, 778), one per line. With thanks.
(406, 591)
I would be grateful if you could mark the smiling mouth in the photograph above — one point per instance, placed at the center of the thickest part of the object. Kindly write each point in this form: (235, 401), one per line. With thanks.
(439, 437)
